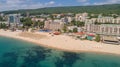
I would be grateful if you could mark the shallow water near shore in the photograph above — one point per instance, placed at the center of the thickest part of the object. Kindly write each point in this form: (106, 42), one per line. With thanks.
(17, 53)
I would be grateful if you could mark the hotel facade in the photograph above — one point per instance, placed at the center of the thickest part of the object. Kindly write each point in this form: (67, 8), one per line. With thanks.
(51, 25)
(14, 20)
(105, 29)
(109, 33)
(105, 20)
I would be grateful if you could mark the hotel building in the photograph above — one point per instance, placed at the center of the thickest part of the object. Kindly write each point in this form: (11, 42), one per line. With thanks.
(14, 20)
(105, 29)
(108, 32)
(105, 20)
(51, 25)
(81, 17)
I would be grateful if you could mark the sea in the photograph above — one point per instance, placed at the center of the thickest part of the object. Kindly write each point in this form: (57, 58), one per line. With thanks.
(18, 53)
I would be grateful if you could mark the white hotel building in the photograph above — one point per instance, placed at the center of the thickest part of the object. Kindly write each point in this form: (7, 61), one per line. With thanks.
(110, 33)
(105, 20)
(104, 29)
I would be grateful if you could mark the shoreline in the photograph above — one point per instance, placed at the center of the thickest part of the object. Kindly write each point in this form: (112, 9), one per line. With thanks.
(84, 49)
(60, 49)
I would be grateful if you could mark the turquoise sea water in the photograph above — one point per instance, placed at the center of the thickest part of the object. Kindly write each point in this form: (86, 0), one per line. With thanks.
(17, 53)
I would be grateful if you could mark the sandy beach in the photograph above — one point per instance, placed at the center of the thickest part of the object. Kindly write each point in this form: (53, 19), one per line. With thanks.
(63, 42)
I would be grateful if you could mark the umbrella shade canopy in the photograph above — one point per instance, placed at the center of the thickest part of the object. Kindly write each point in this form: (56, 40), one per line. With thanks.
(92, 35)
(80, 33)
(56, 33)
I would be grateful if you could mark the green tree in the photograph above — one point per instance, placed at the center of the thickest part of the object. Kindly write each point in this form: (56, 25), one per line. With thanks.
(65, 28)
(97, 38)
(75, 30)
(0, 25)
(80, 24)
(70, 31)
(22, 20)
(3, 26)
(27, 22)
(2, 19)
(51, 16)
(73, 22)
(41, 24)
(115, 16)
(34, 24)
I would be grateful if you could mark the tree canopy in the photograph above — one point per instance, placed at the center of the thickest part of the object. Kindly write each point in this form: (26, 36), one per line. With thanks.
(3, 26)
(95, 9)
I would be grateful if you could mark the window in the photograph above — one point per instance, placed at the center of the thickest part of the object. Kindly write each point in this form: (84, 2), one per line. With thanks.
(102, 29)
(115, 30)
(119, 30)
(111, 29)
(106, 29)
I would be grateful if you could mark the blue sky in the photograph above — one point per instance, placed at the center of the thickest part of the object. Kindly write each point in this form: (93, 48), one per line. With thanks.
(33, 4)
